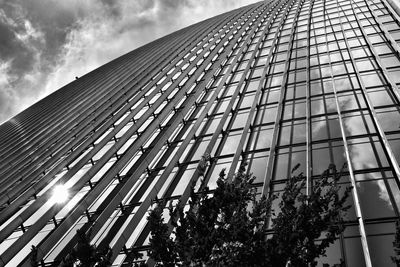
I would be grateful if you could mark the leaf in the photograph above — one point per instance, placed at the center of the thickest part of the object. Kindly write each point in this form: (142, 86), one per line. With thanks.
(295, 167)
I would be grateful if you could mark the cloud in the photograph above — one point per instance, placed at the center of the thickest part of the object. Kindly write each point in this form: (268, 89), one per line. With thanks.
(45, 44)
(363, 158)
(23, 67)
(119, 27)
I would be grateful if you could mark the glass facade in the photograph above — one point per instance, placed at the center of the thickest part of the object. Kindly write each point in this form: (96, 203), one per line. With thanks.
(274, 84)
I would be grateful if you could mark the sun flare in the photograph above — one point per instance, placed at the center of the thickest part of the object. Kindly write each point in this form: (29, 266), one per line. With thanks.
(60, 194)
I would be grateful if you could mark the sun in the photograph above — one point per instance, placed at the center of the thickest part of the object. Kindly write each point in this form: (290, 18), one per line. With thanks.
(60, 194)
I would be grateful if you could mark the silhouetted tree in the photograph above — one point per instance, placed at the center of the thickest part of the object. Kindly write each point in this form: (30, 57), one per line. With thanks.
(396, 245)
(235, 227)
(33, 257)
(303, 219)
(87, 255)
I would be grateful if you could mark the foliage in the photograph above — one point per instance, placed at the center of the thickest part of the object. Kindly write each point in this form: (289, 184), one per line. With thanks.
(33, 256)
(87, 255)
(303, 219)
(234, 227)
(396, 245)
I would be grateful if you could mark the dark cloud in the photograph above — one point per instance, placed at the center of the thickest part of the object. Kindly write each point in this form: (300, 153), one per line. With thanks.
(13, 49)
(44, 44)
(52, 19)
(174, 5)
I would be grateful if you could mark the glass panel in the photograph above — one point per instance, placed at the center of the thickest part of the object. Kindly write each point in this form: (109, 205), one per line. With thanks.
(267, 114)
(240, 119)
(333, 255)
(387, 117)
(220, 165)
(298, 157)
(231, 143)
(261, 138)
(380, 97)
(371, 199)
(319, 129)
(382, 249)
(247, 101)
(372, 79)
(365, 155)
(299, 133)
(354, 251)
(257, 166)
(281, 166)
(355, 124)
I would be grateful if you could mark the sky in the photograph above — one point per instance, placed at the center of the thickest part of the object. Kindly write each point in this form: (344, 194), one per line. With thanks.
(45, 44)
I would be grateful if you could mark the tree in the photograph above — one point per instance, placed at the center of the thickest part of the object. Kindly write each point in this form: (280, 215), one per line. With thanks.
(396, 245)
(87, 255)
(304, 219)
(233, 226)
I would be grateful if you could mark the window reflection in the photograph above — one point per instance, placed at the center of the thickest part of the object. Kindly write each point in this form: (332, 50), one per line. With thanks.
(252, 85)
(326, 153)
(387, 117)
(292, 133)
(270, 96)
(257, 165)
(328, 85)
(316, 88)
(240, 119)
(372, 205)
(319, 129)
(298, 156)
(366, 154)
(325, 127)
(288, 110)
(247, 100)
(365, 65)
(357, 123)
(342, 83)
(261, 137)
(281, 165)
(222, 106)
(231, 143)
(184, 179)
(266, 114)
(382, 247)
(351, 101)
(390, 61)
(380, 97)
(340, 68)
(354, 251)
(394, 141)
(372, 79)
(221, 164)
(286, 159)
(274, 80)
(323, 104)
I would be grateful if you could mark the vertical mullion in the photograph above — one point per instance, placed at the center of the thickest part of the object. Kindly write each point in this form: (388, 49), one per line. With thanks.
(393, 8)
(240, 84)
(393, 86)
(245, 131)
(214, 138)
(381, 133)
(308, 104)
(356, 199)
(279, 113)
(381, 26)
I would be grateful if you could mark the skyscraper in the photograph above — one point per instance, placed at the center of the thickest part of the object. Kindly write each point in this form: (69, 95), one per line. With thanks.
(274, 84)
